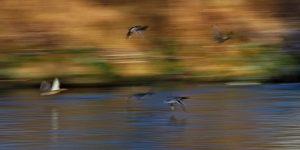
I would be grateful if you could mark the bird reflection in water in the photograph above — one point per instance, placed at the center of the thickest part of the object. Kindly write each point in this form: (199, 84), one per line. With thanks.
(173, 120)
(54, 124)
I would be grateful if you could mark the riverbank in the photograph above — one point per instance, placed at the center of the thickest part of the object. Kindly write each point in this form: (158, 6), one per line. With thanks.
(68, 82)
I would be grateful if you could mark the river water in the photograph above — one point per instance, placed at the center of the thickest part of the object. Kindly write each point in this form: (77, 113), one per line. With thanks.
(217, 116)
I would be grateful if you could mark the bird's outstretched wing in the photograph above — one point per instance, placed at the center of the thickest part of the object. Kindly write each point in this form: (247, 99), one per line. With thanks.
(143, 28)
(128, 34)
(169, 101)
(217, 35)
(45, 86)
(139, 29)
(184, 97)
(55, 85)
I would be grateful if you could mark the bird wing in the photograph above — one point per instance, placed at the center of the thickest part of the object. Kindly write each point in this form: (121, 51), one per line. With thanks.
(182, 105)
(138, 96)
(131, 30)
(185, 97)
(143, 27)
(55, 85)
(169, 101)
(216, 33)
(45, 86)
(128, 34)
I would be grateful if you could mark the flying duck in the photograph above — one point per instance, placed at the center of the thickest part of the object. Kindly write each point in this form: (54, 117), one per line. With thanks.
(140, 96)
(47, 89)
(177, 100)
(136, 29)
(219, 36)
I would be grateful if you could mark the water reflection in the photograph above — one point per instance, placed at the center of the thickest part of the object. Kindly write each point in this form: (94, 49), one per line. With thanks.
(54, 119)
(218, 117)
(173, 120)
(54, 125)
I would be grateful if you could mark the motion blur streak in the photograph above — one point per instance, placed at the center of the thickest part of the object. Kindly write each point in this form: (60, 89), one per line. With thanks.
(87, 40)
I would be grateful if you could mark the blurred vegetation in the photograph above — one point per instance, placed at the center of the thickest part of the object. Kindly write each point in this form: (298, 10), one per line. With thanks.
(84, 41)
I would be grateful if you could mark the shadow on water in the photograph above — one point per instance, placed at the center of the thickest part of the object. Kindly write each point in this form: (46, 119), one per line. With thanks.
(217, 117)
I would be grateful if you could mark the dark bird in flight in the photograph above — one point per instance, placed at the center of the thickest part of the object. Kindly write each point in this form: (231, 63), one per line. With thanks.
(177, 100)
(136, 29)
(140, 96)
(219, 36)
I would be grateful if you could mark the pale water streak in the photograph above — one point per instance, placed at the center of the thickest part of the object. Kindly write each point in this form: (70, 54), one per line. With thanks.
(218, 116)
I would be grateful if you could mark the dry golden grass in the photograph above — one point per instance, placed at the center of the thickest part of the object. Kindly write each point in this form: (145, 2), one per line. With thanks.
(83, 23)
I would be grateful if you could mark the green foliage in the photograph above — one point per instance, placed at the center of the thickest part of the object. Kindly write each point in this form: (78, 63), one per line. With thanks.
(107, 71)
(168, 63)
(269, 61)
(75, 51)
